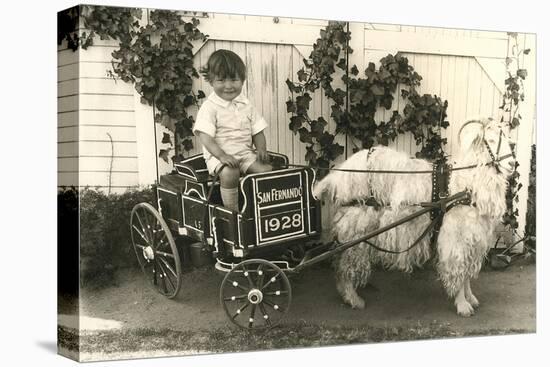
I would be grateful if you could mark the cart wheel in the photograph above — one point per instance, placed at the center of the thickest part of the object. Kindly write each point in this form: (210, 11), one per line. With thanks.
(155, 249)
(255, 294)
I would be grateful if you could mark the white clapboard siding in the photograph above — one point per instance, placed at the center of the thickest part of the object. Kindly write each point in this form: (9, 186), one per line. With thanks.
(87, 70)
(95, 53)
(68, 116)
(92, 106)
(107, 117)
(118, 179)
(105, 102)
(96, 149)
(97, 133)
(98, 164)
(105, 86)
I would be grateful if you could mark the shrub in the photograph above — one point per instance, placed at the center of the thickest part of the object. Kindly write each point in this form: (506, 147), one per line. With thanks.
(531, 219)
(67, 241)
(105, 240)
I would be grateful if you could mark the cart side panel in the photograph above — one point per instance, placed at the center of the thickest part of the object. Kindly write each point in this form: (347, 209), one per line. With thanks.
(225, 230)
(194, 220)
(279, 206)
(169, 206)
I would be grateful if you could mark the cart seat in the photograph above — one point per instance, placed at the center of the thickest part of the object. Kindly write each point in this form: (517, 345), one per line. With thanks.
(194, 168)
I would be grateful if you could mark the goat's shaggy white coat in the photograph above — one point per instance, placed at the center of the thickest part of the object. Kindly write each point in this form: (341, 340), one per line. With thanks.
(466, 233)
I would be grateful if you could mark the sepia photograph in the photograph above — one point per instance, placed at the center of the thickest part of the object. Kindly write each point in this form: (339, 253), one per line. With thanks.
(236, 183)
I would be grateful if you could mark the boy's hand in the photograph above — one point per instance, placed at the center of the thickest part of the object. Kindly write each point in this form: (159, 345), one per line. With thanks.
(262, 155)
(229, 160)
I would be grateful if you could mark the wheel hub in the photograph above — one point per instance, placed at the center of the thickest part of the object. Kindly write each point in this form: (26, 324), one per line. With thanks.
(255, 296)
(148, 253)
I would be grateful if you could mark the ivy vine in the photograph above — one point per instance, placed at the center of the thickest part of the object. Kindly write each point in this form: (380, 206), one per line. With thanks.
(67, 27)
(163, 72)
(424, 115)
(511, 99)
(157, 58)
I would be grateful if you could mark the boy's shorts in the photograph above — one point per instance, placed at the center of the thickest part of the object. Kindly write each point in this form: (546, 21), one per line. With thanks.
(245, 161)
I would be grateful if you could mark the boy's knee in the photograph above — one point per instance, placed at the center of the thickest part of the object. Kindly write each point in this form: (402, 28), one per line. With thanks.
(229, 177)
(257, 167)
(265, 168)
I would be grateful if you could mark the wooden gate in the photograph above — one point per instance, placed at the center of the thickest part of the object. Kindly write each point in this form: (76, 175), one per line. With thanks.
(106, 134)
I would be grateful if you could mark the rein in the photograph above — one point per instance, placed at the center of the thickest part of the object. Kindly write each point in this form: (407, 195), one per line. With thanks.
(401, 172)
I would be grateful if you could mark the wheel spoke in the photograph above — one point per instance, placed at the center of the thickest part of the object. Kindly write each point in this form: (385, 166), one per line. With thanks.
(168, 266)
(274, 306)
(273, 279)
(265, 315)
(240, 310)
(154, 272)
(235, 298)
(143, 227)
(234, 283)
(251, 319)
(275, 293)
(260, 279)
(166, 277)
(149, 232)
(269, 280)
(246, 273)
(161, 242)
(155, 230)
(166, 254)
(141, 234)
(148, 226)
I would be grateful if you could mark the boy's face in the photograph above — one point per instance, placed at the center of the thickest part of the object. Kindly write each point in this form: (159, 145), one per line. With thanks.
(227, 88)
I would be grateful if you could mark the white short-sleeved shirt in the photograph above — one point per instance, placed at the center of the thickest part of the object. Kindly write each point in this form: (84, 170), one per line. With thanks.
(231, 123)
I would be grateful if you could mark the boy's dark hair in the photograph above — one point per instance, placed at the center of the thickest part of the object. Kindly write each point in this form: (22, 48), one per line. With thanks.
(224, 64)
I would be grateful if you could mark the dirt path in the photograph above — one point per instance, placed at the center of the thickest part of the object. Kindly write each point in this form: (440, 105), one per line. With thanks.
(507, 301)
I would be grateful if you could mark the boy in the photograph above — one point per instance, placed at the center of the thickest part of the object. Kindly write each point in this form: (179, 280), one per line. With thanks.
(228, 125)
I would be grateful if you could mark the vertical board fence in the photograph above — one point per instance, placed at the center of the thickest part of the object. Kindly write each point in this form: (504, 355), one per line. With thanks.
(106, 136)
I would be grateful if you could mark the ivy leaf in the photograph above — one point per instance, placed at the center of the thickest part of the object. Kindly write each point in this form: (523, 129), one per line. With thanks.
(387, 101)
(166, 139)
(302, 102)
(354, 70)
(293, 87)
(305, 136)
(356, 95)
(302, 75)
(163, 153)
(290, 106)
(526, 51)
(326, 139)
(335, 150)
(377, 90)
(370, 72)
(311, 156)
(522, 73)
(187, 144)
(296, 123)
(200, 94)
(341, 64)
(318, 126)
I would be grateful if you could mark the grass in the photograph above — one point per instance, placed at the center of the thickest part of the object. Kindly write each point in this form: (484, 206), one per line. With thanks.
(235, 340)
